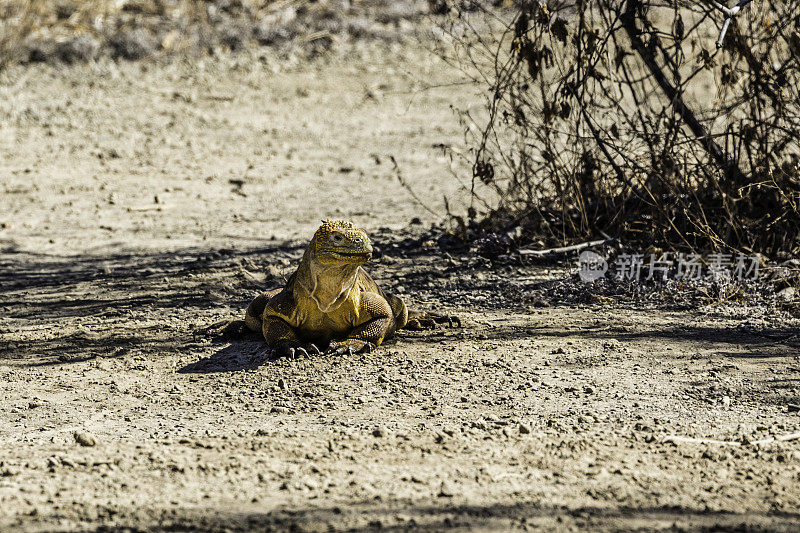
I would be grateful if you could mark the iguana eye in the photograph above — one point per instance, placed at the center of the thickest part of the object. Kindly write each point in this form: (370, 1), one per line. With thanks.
(337, 238)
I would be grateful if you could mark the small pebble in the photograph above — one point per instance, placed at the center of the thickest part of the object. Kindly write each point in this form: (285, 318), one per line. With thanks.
(380, 432)
(524, 429)
(84, 439)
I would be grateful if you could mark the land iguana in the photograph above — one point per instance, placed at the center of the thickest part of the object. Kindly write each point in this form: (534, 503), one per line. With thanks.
(330, 304)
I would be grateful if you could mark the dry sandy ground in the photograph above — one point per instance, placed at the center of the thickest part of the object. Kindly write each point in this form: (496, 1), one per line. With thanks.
(555, 417)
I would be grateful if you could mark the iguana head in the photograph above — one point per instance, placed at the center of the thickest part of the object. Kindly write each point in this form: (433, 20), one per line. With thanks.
(339, 242)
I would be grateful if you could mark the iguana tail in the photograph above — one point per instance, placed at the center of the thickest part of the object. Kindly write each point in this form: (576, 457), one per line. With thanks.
(399, 310)
(416, 320)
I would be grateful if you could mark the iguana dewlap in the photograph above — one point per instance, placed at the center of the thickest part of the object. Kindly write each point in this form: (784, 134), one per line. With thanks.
(330, 303)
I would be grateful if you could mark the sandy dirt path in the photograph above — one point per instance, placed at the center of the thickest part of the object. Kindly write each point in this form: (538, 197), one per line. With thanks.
(226, 152)
(535, 414)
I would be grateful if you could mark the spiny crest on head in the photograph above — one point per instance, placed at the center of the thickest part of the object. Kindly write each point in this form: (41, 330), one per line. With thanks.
(343, 226)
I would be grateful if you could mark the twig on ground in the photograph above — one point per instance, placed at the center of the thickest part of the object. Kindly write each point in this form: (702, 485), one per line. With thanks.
(564, 249)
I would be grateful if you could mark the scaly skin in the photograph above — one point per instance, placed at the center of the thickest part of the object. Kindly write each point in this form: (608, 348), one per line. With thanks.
(330, 303)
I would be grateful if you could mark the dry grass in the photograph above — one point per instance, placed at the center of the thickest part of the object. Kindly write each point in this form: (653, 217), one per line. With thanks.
(18, 20)
(82, 30)
(23, 22)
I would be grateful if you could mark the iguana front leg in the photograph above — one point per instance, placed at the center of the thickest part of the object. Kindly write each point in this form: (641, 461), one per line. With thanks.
(363, 338)
(378, 324)
(278, 332)
(281, 337)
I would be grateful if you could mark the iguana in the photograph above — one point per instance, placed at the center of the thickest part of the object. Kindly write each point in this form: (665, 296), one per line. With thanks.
(330, 304)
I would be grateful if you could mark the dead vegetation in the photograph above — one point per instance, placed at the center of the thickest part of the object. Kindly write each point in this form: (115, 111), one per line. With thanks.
(624, 118)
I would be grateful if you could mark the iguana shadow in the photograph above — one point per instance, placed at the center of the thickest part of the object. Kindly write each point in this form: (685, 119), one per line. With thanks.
(239, 355)
(247, 353)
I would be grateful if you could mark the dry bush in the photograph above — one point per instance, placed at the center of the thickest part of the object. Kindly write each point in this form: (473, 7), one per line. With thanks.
(623, 117)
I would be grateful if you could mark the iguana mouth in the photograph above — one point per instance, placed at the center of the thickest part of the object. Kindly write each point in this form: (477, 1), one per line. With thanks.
(354, 254)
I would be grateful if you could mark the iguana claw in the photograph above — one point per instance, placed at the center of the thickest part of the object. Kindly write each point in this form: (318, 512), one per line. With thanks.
(292, 351)
(349, 347)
